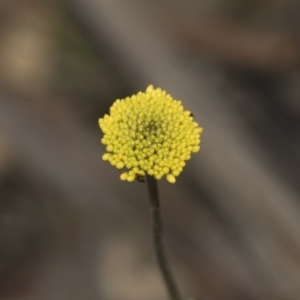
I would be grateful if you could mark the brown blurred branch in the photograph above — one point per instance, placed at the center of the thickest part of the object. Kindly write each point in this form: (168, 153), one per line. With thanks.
(264, 51)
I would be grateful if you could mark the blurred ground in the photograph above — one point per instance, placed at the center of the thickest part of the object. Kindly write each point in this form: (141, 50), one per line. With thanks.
(69, 228)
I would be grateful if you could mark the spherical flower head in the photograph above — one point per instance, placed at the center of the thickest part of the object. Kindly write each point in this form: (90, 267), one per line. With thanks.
(149, 133)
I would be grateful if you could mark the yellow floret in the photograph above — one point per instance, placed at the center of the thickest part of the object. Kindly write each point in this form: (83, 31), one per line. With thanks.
(120, 165)
(124, 176)
(171, 178)
(105, 156)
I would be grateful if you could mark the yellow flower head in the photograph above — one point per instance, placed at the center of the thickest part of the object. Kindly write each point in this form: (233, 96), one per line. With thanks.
(149, 133)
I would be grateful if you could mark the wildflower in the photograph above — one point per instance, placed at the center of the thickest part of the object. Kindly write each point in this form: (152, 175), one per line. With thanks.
(149, 133)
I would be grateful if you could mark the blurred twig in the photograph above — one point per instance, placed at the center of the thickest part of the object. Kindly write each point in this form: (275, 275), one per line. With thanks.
(241, 47)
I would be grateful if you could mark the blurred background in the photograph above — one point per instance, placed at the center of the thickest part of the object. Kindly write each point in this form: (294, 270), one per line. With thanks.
(69, 228)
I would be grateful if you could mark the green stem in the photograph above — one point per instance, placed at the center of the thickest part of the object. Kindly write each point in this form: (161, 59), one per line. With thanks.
(158, 242)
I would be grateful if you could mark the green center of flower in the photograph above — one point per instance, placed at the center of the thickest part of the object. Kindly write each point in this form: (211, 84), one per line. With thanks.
(149, 133)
